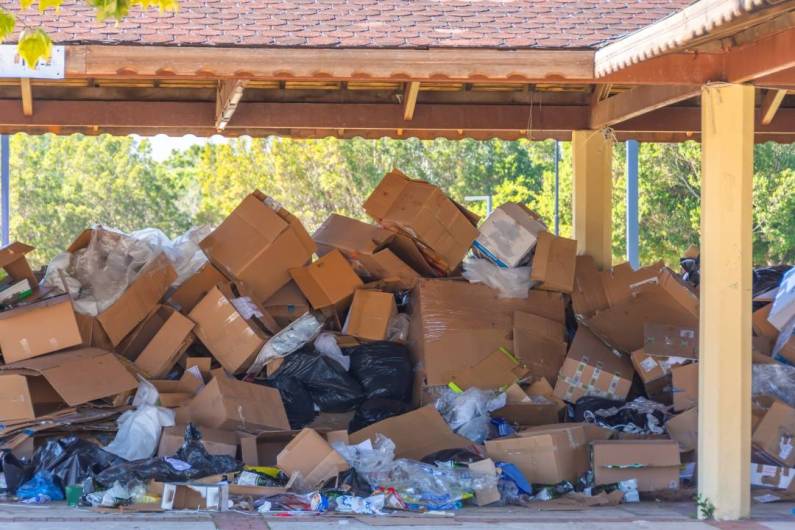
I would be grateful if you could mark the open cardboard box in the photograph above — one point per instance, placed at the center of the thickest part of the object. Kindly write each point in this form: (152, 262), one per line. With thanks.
(653, 463)
(186, 296)
(554, 263)
(310, 456)
(370, 314)
(329, 282)
(23, 334)
(509, 234)
(158, 341)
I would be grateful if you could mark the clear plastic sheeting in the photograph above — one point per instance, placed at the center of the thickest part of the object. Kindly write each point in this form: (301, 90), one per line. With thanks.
(510, 283)
(368, 456)
(777, 380)
(467, 413)
(183, 251)
(300, 332)
(398, 329)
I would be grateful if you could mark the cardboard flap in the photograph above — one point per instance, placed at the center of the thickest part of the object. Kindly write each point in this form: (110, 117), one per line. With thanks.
(13, 252)
(349, 235)
(82, 375)
(385, 194)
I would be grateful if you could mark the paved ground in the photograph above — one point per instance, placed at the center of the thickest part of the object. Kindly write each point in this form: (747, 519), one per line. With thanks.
(663, 516)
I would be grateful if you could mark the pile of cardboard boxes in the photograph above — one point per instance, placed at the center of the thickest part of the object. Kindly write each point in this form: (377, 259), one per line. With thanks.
(579, 333)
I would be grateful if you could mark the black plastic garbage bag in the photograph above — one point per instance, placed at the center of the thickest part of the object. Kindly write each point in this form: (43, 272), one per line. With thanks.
(296, 399)
(16, 471)
(691, 270)
(639, 416)
(350, 483)
(591, 403)
(331, 387)
(457, 456)
(72, 460)
(375, 410)
(191, 461)
(383, 368)
(767, 278)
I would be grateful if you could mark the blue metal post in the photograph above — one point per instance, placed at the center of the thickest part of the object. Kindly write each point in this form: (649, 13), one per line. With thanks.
(5, 181)
(557, 188)
(633, 255)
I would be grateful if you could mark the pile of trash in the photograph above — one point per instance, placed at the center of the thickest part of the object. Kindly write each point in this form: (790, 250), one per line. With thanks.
(427, 361)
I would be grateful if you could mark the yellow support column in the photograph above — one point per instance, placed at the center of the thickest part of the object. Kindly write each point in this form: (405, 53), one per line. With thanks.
(592, 158)
(724, 442)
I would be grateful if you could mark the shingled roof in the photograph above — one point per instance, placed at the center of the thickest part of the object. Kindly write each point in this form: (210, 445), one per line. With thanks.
(508, 24)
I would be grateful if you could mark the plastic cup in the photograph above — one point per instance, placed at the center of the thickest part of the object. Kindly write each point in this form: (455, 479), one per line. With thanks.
(73, 494)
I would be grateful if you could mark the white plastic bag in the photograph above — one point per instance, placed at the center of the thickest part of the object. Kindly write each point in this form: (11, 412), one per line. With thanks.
(509, 283)
(139, 429)
(467, 413)
(301, 331)
(326, 344)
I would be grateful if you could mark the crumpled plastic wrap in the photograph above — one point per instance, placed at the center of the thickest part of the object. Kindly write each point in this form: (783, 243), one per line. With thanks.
(777, 380)
(326, 344)
(97, 275)
(300, 332)
(467, 413)
(398, 328)
(639, 416)
(510, 283)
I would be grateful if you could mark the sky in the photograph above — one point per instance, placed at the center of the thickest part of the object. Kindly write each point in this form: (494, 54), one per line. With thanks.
(162, 145)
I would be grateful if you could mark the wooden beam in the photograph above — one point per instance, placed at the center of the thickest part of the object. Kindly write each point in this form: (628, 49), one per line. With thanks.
(472, 65)
(764, 57)
(770, 104)
(228, 95)
(592, 158)
(410, 94)
(673, 69)
(638, 101)
(724, 364)
(27, 96)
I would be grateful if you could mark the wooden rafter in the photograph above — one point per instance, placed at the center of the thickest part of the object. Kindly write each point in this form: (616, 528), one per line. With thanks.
(764, 57)
(27, 96)
(638, 101)
(228, 96)
(410, 94)
(770, 105)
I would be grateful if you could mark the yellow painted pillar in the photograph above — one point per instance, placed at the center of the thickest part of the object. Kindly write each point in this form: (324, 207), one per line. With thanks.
(592, 158)
(724, 442)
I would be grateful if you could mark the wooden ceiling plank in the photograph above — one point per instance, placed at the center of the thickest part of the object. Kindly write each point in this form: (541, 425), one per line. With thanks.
(410, 94)
(27, 96)
(770, 104)
(638, 101)
(228, 95)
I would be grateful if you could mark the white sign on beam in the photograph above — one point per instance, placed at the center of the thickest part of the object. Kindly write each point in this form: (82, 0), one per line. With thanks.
(12, 65)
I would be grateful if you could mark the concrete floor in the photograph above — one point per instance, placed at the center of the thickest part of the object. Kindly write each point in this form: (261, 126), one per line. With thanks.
(650, 515)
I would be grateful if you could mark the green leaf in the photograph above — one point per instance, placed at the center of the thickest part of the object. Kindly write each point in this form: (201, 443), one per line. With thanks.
(34, 45)
(46, 4)
(7, 23)
(105, 9)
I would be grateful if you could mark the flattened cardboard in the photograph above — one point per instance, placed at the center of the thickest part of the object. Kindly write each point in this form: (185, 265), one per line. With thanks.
(228, 404)
(370, 314)
(775, 434)
(80, 375)
(653, 463)
(192, 290)
(457, 324)
(683, 428)
(509, 234)
(258, 243)
(672, 341)
(214, 441)
(776, 477)
(141, 296)
(158, 341)
(593, 369)
(232, 339)
(499, 370)
(14, 262)
(685, 386)
(546, 454)
(310, 455)
(38, 328)
(328, 282)
(403, 431)
(287, 304)
(554, 263)
(539, 343)
(420, 209)
(261, 449)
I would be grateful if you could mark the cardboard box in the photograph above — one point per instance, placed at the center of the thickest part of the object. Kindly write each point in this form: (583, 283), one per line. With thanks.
(685, 386)
(203, 364)
(775, 434)
(258, 244)
(653, 463)
(261, 449)
(683, 428)
(38, 328)
(445, 229)
(92, 333)
(540, 344)
(509, 234)
(74, 377)
(456, 324)
(310, 455)
(672, 341)
(195, 496)
(14, 262)
(370, 314)
(186, 296)
(488, 495)
(527, 411)
(545, 455)
(287, 304)
(593, 369)
(777, 477)
(374, 252)
(554, 263)
(214, 441)
(499, 370)
(655, 373)
(156, 344)
(329, 282)
(138, 300)
(233, 338)
(228, 404)
(187, 384)
(404, 431)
